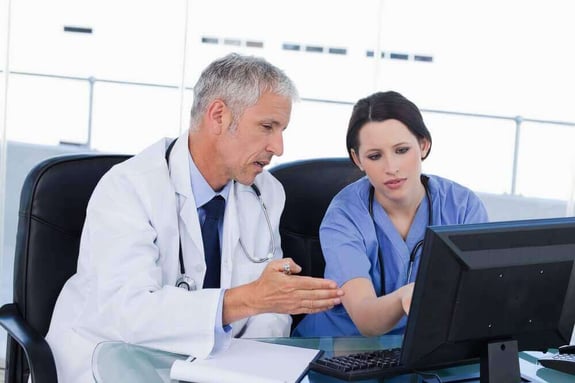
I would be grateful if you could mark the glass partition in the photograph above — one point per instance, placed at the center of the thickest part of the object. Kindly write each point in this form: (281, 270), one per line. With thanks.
(5, 279)
(474, 151)
(83, 76)
(546, 161)
(494, 80)
(128, 118)
(48, 110)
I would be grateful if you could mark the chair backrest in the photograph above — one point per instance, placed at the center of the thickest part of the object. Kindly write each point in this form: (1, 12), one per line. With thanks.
(310, 186)
(52, 212)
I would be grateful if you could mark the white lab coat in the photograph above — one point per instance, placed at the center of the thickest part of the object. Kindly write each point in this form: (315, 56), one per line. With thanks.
(128, 264)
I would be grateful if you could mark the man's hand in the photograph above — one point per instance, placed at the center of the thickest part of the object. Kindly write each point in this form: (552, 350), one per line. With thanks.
(276, 291)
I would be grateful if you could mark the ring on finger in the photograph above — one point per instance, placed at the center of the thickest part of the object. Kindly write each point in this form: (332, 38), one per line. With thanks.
(286, 268)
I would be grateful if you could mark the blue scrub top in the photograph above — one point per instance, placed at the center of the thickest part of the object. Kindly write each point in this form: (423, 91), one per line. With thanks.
(349, 241)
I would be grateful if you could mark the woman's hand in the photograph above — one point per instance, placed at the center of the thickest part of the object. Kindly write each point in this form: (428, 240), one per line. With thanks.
(406, 296)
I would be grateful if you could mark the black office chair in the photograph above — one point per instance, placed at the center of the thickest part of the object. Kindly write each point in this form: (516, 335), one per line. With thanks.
(52, 212)
(310, 186)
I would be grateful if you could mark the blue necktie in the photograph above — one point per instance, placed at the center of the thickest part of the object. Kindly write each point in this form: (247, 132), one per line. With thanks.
(214, 209)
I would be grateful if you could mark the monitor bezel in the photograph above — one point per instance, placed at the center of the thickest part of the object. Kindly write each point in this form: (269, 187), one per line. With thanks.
(437, 243)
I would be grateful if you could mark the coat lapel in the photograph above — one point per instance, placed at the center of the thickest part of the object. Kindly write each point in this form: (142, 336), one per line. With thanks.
(231, 238)
(180, 175)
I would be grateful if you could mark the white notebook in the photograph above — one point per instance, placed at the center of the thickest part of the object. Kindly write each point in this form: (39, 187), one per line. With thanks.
(247, 361)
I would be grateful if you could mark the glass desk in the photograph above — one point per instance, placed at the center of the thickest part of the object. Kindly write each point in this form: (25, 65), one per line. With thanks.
(114, 362)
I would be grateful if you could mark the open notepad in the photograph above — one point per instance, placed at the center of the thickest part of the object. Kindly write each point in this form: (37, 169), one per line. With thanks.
(247, 361)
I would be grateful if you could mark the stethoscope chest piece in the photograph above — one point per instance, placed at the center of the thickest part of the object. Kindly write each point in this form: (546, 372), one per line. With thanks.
(186, 283)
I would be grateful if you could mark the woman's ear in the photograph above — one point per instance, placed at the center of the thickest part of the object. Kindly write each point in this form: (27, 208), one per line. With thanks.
(356, 160)
(425, 145)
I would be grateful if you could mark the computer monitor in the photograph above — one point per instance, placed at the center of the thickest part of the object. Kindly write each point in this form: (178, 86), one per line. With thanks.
(490, 290)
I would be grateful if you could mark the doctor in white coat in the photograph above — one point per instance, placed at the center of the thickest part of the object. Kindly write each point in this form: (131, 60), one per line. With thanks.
(148, 207)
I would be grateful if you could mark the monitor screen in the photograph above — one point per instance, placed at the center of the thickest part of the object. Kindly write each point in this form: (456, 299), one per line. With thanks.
(492, 287)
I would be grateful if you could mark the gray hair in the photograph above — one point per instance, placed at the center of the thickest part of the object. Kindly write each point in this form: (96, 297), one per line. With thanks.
(239, 81)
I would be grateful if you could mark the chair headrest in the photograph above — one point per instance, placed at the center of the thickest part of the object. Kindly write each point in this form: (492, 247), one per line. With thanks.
(310, 186)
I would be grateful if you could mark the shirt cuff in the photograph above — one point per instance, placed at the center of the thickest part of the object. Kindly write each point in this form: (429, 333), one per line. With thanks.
(222, 334)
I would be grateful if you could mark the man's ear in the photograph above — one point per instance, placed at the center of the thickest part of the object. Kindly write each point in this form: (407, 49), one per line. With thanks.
(356, 159)
(218, 115)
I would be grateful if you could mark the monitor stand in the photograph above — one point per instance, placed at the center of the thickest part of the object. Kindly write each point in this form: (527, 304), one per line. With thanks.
(467, 378)
(500, 363)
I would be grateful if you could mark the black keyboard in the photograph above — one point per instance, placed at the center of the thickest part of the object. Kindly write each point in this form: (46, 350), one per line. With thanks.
(362, 365)
(560, 362)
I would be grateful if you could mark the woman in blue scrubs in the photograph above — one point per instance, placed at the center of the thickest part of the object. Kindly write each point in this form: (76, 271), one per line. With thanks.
(380, 220)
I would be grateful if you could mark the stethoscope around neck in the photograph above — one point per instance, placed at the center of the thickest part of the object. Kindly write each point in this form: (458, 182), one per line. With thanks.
(188, 283)
(418, 245)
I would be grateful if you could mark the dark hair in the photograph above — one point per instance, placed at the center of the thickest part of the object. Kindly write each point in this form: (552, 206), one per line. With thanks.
(382, 106)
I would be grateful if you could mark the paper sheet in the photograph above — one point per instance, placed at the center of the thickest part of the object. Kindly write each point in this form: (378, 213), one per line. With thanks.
(247, 361)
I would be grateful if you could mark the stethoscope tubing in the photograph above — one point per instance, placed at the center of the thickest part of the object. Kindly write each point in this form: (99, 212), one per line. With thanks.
(272, 248)
(418, 245)
(186, 282)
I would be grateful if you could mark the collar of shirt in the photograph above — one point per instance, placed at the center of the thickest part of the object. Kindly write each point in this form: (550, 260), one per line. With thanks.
(202, 191)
